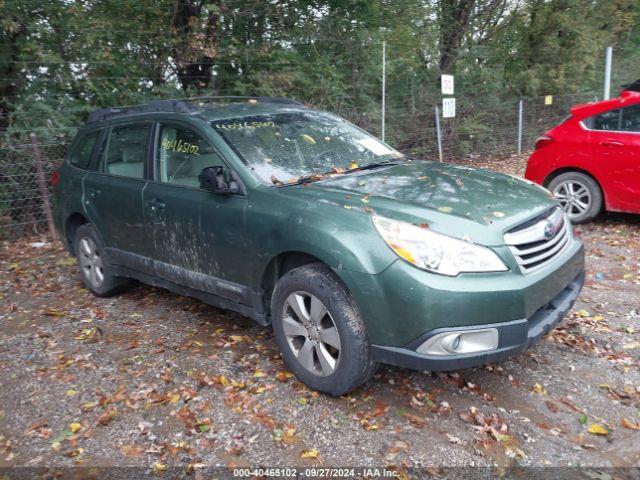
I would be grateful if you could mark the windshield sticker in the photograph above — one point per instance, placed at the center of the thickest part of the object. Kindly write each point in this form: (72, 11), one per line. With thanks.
(180, 146)
(241, 125)
(375, 147)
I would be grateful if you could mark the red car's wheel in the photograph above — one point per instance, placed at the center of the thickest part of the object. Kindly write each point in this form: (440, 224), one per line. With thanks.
(578, 194)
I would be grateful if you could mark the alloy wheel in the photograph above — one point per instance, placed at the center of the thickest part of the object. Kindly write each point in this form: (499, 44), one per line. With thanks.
(574, 197)
(311, 333)
(91, 262)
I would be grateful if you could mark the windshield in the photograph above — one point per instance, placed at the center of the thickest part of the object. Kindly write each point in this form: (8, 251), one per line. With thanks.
(288, 147)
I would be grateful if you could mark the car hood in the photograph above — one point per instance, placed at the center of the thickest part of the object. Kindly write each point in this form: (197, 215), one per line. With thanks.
(475, 204)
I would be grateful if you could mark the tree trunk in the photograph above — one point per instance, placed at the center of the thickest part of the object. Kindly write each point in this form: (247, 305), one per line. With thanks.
(196, 48)
(453, 21)
(9, 72)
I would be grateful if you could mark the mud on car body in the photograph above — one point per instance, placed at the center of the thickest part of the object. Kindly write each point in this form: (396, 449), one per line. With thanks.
(353, 252)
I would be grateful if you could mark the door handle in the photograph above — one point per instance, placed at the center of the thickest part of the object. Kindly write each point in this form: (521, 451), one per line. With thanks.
(611, 143)
(156, 204)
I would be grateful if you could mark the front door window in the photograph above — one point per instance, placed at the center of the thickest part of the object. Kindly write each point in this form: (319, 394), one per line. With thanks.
(182, 154)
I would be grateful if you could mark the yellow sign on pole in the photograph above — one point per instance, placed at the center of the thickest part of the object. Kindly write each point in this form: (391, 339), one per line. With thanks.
(548, 100)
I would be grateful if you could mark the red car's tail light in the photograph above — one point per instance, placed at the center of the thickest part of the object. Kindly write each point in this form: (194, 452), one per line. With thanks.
(55, 178)
(543, 142)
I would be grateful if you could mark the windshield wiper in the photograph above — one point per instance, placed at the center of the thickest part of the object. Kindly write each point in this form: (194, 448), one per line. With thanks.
(332, 173)
(370, 166)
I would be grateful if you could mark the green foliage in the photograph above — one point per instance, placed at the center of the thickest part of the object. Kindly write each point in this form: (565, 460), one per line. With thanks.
(60, 59)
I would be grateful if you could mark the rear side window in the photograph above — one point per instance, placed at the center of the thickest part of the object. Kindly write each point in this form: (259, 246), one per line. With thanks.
(620, 120)
(631, 119)
(81, 154)
(125, 150)
(605, 121)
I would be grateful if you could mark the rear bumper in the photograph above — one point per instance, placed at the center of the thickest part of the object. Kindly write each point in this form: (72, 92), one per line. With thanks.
(514, 336)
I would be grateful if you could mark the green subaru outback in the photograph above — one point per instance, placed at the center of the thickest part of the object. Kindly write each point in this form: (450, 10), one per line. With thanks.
(355, 253)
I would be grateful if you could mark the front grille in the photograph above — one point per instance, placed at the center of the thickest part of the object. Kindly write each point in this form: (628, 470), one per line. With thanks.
(538, 241)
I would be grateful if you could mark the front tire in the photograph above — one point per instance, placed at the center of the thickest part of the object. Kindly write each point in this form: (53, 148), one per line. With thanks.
(95, 271)
(579, 195)
(319, 330)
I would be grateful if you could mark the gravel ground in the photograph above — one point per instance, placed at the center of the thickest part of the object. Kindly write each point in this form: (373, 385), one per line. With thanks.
(156, 380)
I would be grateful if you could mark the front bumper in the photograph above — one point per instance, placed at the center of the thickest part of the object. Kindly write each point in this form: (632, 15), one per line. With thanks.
(514, 336)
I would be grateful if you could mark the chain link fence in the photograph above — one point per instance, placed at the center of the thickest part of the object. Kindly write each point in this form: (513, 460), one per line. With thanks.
(483, 126)
(22, 206)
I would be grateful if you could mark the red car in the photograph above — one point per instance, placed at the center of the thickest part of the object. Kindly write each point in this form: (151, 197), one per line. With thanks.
(591, 160)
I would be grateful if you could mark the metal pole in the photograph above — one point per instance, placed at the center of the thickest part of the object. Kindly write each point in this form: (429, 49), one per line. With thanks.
(44, 192)
(438, 133)
(607, 74)
(384, 85)
(520, 112)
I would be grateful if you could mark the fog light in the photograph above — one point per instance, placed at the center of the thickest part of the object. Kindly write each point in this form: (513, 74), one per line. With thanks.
(461, 342)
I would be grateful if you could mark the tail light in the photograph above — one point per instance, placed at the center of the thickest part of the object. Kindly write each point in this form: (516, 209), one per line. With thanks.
(543, 141)
(55, 178)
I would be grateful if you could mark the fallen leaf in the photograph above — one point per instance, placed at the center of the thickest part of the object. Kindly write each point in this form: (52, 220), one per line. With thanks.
(74, 453)
(67, 262)
(107, 416)
(132, 451)
(283, 376)
(61, 437)
(368, 426)
(415, 420)
(626, 423)
(539, 389)
(552, 406)
(597, 429)
(89, 406)
(74, 427)
(35, 426)
(445, 209)
(313, 453)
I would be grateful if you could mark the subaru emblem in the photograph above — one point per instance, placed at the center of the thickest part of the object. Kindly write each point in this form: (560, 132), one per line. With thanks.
(549, 231)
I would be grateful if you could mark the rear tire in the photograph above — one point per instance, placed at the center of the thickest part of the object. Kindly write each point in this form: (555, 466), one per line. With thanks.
(578, 194)
(319, 330)
(95, 271)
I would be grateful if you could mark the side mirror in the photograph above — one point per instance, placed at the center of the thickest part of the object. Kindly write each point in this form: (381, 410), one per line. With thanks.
(213, 180)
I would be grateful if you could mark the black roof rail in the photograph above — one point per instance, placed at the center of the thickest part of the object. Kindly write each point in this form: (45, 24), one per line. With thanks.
(257, 98)
(283, 100)
(185, 105)
(172, 106)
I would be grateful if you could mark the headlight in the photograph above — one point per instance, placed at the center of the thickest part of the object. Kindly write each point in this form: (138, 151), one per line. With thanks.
(435, 252)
